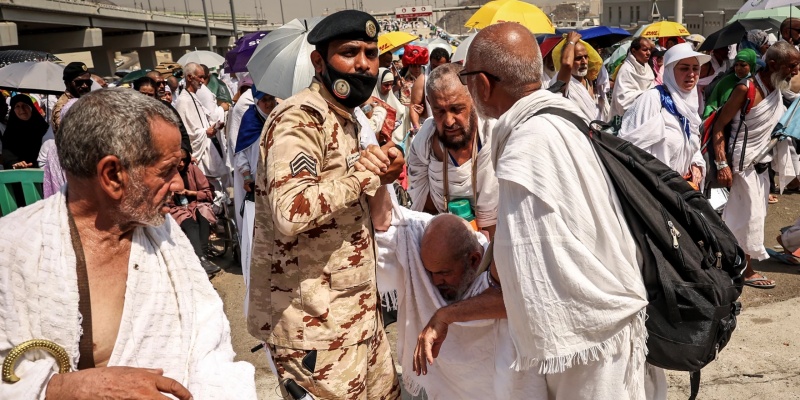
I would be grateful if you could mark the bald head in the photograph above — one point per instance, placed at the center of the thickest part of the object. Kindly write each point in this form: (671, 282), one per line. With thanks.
(451, 253)
(509, 51)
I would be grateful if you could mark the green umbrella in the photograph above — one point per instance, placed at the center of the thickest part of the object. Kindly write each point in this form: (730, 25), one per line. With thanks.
(219, 88)
(133, 76)
(778, 14)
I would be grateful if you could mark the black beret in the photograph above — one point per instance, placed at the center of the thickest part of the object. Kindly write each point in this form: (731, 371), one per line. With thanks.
(74, 70)
(346, 25)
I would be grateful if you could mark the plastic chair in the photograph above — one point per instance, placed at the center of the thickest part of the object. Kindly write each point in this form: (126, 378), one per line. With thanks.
(28, 178)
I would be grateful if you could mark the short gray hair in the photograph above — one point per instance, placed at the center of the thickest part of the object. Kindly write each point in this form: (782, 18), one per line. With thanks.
(191, 69)
(780, 52)
(107, 122)
(515, 73)
(443, 78)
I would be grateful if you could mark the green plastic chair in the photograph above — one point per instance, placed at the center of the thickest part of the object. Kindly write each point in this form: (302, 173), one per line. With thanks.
(28, 178)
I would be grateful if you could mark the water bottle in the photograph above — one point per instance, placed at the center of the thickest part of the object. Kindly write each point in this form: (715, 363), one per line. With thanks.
(184, 201)
(296, 391)
(463, 209)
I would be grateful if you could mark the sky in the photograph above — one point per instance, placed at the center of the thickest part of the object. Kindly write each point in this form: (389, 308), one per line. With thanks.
(271, 9)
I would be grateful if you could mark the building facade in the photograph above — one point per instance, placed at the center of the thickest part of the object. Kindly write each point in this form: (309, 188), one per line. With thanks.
(699, 16)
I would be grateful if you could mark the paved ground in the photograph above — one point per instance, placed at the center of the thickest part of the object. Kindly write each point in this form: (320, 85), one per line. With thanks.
(761, 362)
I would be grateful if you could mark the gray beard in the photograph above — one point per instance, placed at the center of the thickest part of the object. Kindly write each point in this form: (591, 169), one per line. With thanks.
(779, 82)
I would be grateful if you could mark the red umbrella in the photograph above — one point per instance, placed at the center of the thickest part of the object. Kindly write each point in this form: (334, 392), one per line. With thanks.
(549, 44)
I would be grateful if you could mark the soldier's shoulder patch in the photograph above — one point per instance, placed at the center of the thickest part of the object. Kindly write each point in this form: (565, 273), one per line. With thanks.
(303, 162)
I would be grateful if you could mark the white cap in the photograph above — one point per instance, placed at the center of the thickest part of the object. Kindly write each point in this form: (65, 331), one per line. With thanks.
(684, 50)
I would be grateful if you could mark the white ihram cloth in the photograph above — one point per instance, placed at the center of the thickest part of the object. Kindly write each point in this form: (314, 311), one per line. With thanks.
(567, 262)
(195, 119)
(747, 205)
(593, 107)
(426, 176)
(209, 101)
(172, 317)
(475, 359)
(234, 120)
(632, 80)
(649, 126)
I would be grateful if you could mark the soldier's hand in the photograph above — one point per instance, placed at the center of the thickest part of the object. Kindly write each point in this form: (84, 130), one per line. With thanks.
(429, 342)
(374, 160)
(114, 383)
(396, 163)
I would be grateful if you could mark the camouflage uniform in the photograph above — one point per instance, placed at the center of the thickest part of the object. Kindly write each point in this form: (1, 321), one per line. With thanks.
(312, 277)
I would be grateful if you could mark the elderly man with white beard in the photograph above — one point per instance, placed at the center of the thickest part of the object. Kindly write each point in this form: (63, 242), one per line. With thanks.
(450, 158)
(736, 164)
(586, 94)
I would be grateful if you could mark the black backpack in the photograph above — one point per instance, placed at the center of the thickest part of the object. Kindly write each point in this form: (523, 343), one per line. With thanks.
(692, 264)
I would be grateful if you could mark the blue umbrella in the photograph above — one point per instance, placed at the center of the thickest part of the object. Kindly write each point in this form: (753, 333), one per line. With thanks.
(603, 36)
(238, 57)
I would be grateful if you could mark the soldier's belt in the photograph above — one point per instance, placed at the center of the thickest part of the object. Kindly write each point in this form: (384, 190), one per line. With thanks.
(61, 356)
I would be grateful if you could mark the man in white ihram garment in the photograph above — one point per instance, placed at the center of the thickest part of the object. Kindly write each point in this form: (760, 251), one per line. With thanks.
(201, 129)
(571, 283)
(664, 120)
(634, 76)
(439, 267)
(99, 275)
(578, 87)
(455, 137)
(737, 165)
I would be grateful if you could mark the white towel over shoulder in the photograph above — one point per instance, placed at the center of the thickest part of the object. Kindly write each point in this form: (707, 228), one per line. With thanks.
(172, 317)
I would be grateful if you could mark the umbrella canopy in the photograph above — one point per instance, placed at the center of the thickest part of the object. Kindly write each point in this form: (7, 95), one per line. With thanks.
(733, 33)
(665, 29)
(440, 43)
(461, 51)
(755, 5)
(497, 11)
(281, 64)
(18, 56)
(778, 14)
(240, 54)
(603, 36)
(391, 41)
(209, 59)
(33, 77)
(133, 76)
(549, 44)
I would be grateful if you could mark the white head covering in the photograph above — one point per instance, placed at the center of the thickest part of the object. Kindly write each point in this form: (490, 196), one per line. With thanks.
(687, 103)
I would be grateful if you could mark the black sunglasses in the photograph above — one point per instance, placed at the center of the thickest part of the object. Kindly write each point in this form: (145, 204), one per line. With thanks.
(462, 76)
(81, 82)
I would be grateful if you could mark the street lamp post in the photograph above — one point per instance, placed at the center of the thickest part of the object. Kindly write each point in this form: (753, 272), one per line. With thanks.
(233, 21)
(282, 19)
(208, 28)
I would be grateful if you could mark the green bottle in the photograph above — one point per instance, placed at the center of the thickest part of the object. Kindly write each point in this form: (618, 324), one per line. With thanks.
(463, 209)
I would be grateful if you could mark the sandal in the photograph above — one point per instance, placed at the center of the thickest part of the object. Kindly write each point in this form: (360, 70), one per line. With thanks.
(772, 199)
(753, 282)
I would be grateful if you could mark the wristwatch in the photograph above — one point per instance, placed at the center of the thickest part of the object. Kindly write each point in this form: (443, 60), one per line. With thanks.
(721, 164)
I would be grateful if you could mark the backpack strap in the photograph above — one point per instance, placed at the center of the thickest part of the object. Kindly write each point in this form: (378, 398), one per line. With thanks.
(694, 384)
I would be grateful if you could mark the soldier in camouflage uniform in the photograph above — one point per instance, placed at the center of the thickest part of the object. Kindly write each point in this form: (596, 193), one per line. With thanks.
(313, 295)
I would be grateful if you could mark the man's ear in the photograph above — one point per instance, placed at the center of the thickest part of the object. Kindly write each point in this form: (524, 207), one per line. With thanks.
(484, 87)
(318, 62)
(112, 177)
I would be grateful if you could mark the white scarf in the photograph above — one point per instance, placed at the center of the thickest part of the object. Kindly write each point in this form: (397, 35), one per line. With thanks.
(571, 284)
(172, 317)
(475, 359)
(426, 176)
(687, 103)
(593, 107)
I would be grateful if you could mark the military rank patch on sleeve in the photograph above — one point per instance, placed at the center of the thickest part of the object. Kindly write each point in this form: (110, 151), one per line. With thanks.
(303, 162)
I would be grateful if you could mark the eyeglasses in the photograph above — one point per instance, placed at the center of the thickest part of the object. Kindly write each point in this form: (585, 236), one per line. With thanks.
(81, 82)
(462, 76)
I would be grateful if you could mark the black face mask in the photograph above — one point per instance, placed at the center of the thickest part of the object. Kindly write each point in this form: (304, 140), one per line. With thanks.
(352, 90)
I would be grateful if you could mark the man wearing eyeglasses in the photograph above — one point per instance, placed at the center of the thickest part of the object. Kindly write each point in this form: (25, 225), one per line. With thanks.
(78, 81)
(579, 82)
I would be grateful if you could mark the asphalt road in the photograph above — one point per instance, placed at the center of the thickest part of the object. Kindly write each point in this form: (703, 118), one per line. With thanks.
(760, 362)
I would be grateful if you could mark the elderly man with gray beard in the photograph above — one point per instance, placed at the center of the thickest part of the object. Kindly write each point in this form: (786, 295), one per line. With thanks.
(99, 277)
(450, 158)
(736, 161)
(585, 93)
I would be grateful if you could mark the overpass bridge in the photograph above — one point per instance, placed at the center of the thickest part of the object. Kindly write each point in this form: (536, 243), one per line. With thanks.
(60, 26)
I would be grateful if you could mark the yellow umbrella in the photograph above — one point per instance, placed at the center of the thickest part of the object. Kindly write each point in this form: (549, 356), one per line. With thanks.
(665, 29)
(498, 11)
(392, 40)
(595, 61)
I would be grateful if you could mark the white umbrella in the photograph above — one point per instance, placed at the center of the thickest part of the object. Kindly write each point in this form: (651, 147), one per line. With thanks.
(208, 58)
(33, 77)
(753, 5)
(438, 43)
(461, 51)
(281, 64)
